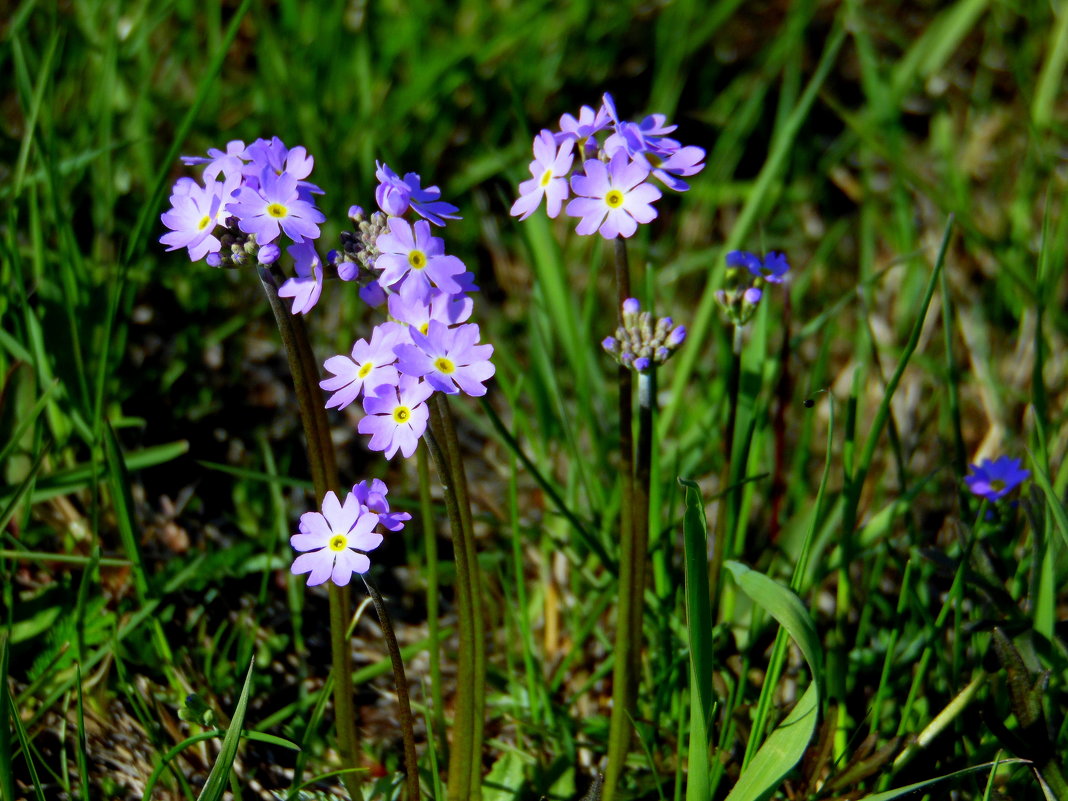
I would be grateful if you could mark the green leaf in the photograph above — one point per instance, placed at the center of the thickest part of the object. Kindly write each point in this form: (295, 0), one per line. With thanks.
(889, 795)
(505, 779)
(699, 630)
(785, 746)
(220, 771)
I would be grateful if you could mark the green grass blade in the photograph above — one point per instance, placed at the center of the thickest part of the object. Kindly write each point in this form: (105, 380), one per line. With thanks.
(220, 771)
(699, 629)
(890, 795)
(7, 711)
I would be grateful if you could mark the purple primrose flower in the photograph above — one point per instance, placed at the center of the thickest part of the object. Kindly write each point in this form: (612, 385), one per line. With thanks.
(417, 258)
(192, 218)
(370, 365)
(395, 194)
(614, 198)
(448, 358)
(995, 479)
(275, 205)
(307, 286)
(550, 168)
(396, 416)
(331, 542)
(372, 497)
(443, 307)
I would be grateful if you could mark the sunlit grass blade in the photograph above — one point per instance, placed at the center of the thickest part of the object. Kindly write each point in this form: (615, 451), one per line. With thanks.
(220, 771)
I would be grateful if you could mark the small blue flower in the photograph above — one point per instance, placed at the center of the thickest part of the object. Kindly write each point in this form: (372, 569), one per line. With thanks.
(995, 479)
(772, 269)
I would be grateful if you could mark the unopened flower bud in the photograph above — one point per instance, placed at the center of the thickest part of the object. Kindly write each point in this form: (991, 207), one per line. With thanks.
(268, 254)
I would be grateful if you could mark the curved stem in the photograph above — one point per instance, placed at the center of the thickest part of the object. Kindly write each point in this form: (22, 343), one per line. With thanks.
(400, 681)
(323, 466)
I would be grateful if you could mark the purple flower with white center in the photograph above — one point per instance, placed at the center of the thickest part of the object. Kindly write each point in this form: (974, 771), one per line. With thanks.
(550, 168)
(332, 541)
(416, 258)
(448, 358)
(994, 480)
(192, 218)
(395, 194)
(275, 205)
(396, 416)
(582, 131)
(306, 288)
(614, 198)
(772, 269)
(372, 496)
(443, 307)
(370, 365)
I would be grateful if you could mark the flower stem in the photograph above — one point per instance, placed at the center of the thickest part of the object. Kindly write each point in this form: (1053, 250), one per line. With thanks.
(430, 535)
(627, 644)
(464, 780)
(411, 761)
(323, 467)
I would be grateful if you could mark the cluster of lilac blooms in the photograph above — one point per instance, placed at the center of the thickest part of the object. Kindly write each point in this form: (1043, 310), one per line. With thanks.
(335, 542)
(616, 157)
(643, 341)
(249, 198)
(746, 276)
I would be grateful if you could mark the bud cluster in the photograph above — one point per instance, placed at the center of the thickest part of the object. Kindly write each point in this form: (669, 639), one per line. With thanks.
(643, 341)
(356, 258)
(746, 276)
(238, 249)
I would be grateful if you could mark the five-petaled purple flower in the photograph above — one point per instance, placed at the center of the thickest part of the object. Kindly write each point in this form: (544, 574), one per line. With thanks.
(192, 218)
(448, 358)
(418, 258)
(332, 541)
(995, 479)
(395, 194)
(307, 286)
(275, 205)
(370, 365)
(614, 198)
(396, 416)
(550, 168)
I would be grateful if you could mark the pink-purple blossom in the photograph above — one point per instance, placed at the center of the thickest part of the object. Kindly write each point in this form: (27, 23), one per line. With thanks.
(332, 541)
(396, 416)
(448, 358)
(613, 198)
(549, 169)
(369, 365)
(443, 307)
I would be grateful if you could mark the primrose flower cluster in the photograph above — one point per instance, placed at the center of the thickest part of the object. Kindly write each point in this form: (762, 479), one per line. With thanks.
(643, 341)
(426, 344)
(250, 197)
(611, 193)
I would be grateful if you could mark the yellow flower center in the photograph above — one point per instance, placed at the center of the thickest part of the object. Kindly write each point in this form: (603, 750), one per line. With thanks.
(997, 485)
(614, 198)
(402, 414)
(425, 328)
(654, 160)
(417, 259)
(444, 365)
(277, 210)
(367, 367)
(548, 176)
(205, 221)
(338, 542)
